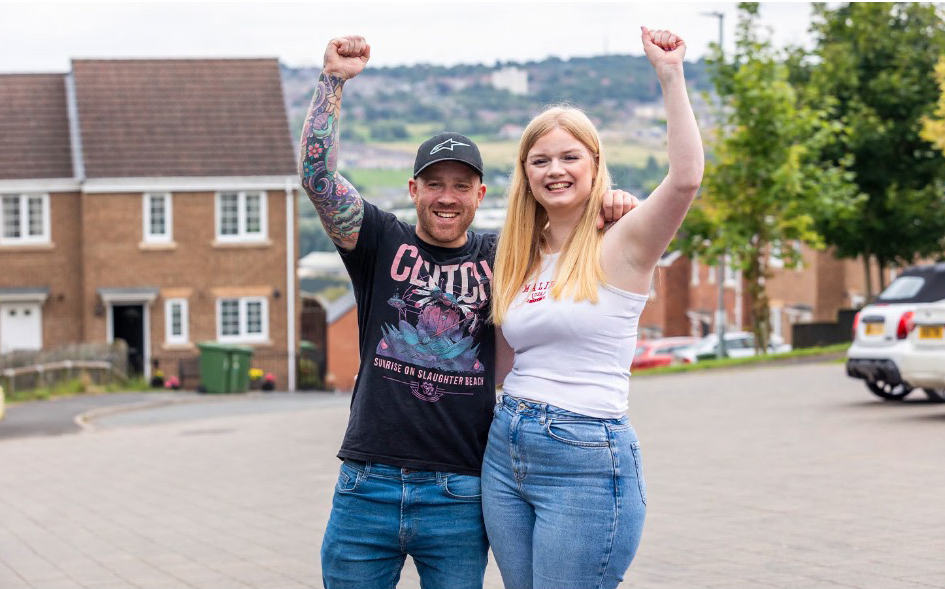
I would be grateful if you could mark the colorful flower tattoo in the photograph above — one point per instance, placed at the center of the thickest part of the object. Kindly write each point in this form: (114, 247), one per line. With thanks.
(338, 203)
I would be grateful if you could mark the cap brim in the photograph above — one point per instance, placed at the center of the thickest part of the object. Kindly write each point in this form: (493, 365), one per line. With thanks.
(448, 159)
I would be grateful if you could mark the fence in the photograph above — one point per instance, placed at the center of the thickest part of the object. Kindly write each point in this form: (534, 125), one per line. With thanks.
(824, 333)
(31, 369)
(310, 368)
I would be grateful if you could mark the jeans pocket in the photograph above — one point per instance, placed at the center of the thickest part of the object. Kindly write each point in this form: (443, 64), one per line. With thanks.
(638, 463)
(578, 432)
(348, 478)
(462, 487)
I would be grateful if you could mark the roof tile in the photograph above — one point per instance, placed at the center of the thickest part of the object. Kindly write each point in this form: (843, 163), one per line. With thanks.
(212, 117)
(34, 127)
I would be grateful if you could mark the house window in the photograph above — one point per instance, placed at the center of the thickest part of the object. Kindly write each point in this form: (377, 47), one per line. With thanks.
(243, 319)
(731, 272)
(241, 216)
(24, 218)
(176, 320)
(694, 278)
(158, 218)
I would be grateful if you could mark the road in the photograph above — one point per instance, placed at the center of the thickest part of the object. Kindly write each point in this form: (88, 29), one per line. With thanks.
(790, 476)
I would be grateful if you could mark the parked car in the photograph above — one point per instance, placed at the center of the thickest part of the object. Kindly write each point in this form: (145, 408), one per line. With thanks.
(658, 352)
(923, 363)
(881, 331)
(738, 344)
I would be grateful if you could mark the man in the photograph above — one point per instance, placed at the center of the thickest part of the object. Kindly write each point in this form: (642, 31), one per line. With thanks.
(421, 407)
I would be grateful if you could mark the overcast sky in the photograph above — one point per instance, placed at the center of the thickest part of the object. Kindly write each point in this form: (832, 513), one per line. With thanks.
(44, 36)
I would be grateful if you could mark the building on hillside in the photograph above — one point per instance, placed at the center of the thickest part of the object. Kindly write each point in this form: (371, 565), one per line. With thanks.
(512, 79)
(317, 264)
(151, 201)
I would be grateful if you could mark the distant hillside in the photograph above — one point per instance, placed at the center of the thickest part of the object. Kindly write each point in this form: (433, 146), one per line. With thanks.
(385, 101)
(388, 111)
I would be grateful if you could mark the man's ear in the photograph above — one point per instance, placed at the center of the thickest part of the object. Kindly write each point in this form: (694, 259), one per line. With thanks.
(482, 192)
(412, 188)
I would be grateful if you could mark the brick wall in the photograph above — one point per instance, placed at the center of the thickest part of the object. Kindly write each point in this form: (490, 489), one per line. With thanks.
(344, 357)
(193, 267)
(56, 266)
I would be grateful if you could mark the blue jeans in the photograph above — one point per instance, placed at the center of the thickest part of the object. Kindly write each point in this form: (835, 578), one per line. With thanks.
(382, 513)
(563, 496)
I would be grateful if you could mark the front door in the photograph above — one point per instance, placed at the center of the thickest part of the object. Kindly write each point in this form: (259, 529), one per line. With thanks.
(21, 327)
(128, 324)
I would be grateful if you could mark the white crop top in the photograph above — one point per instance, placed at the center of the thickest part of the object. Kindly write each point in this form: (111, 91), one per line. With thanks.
(572, 355)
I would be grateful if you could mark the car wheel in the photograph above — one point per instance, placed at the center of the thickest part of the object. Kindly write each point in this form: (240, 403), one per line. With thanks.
(935, 395)
(888, 391)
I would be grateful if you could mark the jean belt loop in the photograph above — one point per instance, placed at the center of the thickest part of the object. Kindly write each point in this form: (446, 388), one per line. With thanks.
(544, 413)
(367, 468)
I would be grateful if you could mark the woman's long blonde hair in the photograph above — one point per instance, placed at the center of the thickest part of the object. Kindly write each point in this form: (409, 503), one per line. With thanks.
(579, 271)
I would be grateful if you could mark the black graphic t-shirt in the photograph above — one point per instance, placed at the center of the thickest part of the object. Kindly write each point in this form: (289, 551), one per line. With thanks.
(423, 398)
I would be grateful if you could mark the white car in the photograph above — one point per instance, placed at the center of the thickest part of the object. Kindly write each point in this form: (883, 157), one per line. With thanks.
(738, 344)
(923, 364)
(881, 332)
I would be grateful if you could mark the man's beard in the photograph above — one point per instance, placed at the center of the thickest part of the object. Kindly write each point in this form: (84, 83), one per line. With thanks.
(428, 222)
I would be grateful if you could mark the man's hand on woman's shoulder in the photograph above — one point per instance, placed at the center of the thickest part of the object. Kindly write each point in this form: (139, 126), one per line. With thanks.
(616, 204)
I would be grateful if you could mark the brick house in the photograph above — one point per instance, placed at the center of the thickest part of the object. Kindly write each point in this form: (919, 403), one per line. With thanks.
(343, 356)
(152, 201)
(684, 297)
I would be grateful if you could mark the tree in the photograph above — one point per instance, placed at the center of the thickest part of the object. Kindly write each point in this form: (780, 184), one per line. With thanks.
(874, 64)
(933, 129)
(765, 180)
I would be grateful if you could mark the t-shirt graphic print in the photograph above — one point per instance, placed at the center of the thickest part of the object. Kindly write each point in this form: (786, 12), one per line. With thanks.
(439, 315)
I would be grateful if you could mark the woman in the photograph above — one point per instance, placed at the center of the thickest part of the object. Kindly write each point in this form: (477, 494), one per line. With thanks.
(563, 491)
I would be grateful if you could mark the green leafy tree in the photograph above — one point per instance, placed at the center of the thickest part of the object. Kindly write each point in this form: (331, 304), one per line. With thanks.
(765, 180)
(933, 128)
(874, 67)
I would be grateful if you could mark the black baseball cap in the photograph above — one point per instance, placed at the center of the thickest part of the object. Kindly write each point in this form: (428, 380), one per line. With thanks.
(448, 147)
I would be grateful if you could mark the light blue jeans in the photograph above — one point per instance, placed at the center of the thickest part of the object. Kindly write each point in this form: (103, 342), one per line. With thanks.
(382, 513)
(563, 496)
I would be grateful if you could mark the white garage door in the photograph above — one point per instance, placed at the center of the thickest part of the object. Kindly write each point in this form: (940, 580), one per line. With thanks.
(21, 327)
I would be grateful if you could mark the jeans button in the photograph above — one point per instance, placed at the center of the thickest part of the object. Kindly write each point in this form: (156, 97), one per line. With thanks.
(521, 406)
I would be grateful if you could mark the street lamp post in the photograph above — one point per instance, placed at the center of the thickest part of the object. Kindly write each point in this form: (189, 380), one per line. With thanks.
(720, 275)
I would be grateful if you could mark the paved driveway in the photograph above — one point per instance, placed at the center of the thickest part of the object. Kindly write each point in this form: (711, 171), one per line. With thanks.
(763, 477)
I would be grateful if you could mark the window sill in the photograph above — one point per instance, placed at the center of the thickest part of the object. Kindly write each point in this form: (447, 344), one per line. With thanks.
(27, 247)
(157, 246)
(263, 243)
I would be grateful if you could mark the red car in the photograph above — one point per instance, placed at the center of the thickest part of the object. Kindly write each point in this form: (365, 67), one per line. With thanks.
(658, 352)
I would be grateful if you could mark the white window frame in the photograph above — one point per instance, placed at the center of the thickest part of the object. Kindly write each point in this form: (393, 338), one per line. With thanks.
(243, 313)
(775, 257)
(25, 238)
(730, 273)
(242, 235)
(694, 277)
(169, 337)
(168, 235)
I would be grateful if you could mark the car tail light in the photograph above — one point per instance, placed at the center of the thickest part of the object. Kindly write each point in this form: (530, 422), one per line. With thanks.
(856, 322)
(905, 325)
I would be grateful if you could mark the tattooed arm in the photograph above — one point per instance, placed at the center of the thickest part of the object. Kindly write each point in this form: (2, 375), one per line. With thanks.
(338, 203)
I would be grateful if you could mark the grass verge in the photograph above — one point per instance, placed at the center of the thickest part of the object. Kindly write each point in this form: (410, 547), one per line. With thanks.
(78, 386)
(833, 353)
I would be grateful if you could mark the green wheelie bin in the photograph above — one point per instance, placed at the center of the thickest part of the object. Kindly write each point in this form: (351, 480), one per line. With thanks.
(241, 359)
(214, 367)
(224, 368)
